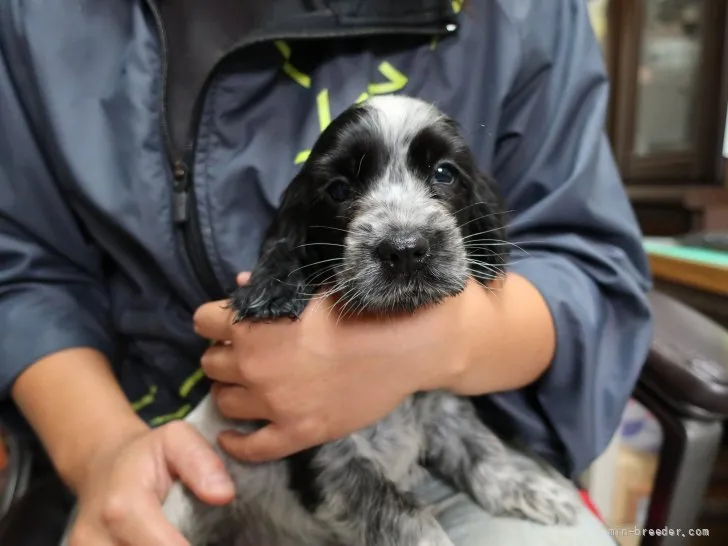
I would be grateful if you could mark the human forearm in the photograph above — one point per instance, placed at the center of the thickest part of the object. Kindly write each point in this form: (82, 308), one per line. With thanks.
(119, 469)
(509, 341)
(74, 403)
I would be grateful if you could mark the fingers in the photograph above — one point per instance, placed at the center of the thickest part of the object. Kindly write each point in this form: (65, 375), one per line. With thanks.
(237, 402)
(123, 521)
(267, 444)
(233, 399)
(213, 321)
(219, 364)
(197, 464)
(273, 441)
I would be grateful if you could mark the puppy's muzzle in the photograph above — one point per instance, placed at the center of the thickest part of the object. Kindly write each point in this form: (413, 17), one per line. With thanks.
(403, 254)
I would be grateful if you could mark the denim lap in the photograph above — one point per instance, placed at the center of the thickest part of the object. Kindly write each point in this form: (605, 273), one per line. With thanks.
(468, 525)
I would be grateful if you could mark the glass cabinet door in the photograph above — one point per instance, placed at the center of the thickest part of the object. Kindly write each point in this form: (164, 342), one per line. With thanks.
(668, 74)
(666, 80)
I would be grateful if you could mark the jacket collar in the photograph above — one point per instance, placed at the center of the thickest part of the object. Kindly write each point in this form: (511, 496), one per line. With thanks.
(197, 35)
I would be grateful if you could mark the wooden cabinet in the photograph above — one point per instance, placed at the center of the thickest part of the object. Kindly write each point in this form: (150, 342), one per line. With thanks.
(668, 66)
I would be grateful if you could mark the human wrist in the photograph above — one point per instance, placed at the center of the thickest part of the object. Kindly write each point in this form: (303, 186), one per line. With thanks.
(75, 460)
(444, 359)
(506, 339)
(75, 405)
(477, 308)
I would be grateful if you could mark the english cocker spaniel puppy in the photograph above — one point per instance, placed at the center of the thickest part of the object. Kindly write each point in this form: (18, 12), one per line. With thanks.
(390, 214)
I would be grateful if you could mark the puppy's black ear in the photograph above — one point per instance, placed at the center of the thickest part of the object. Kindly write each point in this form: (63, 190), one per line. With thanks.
(484, 230)
(277, 286)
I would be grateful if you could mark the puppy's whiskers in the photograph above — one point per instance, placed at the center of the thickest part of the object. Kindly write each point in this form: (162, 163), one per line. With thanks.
(326, 270)
(468, 206)
(338, 259)
(489, 267)
(482, 217)
(485, 232)
(309, 279)
(344, 298)
(319, 244)
(333, 288)
(479, 243)
(496, 213)
(485, 280)
(321, 296)
(361, 162)
(331, 227)
(357, 296)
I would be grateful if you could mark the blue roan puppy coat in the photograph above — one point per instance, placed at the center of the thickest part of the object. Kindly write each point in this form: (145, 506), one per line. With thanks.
(389, 214)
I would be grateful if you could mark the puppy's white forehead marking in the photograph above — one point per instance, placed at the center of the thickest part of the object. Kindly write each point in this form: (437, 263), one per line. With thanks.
(398, 119)
(399, 194)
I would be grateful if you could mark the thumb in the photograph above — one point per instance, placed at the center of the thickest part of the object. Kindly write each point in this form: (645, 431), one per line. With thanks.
(197, 465)
(267, 444)
(243, 278)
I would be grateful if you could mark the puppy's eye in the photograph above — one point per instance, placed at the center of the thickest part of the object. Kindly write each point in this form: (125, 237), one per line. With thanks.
(339, 190)
(444, 174)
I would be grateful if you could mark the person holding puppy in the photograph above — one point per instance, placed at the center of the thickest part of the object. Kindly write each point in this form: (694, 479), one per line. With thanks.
(145, 147)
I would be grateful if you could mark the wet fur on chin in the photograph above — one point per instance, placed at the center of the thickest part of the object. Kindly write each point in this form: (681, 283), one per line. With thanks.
(390, 214)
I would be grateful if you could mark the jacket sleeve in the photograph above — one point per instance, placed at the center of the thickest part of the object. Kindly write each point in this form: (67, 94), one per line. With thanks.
(579, 242)
(51, 295)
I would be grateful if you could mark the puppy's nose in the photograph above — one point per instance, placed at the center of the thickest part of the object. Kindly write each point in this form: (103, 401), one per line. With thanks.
(403, 255)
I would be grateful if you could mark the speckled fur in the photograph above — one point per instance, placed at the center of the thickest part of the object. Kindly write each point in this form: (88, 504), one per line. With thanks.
(354, 491)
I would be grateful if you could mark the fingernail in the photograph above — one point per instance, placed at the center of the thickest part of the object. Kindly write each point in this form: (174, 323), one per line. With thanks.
(219, 484)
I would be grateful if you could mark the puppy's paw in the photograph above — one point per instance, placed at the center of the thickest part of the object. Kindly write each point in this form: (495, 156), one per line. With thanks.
(542, 499)
(267, 300)
(529, 494)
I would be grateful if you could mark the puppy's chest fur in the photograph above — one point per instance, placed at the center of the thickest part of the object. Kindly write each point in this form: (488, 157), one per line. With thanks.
(281, 503)
(355, 491)
(393, 444)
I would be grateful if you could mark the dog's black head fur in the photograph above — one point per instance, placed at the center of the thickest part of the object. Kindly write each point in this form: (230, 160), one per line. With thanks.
(389, 213)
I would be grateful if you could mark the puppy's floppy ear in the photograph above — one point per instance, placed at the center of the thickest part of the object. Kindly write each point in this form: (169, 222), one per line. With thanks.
(484, 229)
(277, 284)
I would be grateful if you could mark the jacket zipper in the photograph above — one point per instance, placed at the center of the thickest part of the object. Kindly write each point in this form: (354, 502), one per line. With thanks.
(184, 206)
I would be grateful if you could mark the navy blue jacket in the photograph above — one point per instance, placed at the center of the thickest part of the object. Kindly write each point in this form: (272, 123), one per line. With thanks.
(143, 152)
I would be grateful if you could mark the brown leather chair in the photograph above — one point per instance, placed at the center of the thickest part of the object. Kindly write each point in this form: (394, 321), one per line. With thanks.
(684, 384)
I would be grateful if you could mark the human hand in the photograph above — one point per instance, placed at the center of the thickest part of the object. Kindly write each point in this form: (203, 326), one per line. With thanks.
(121, 493)
(320, 378)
